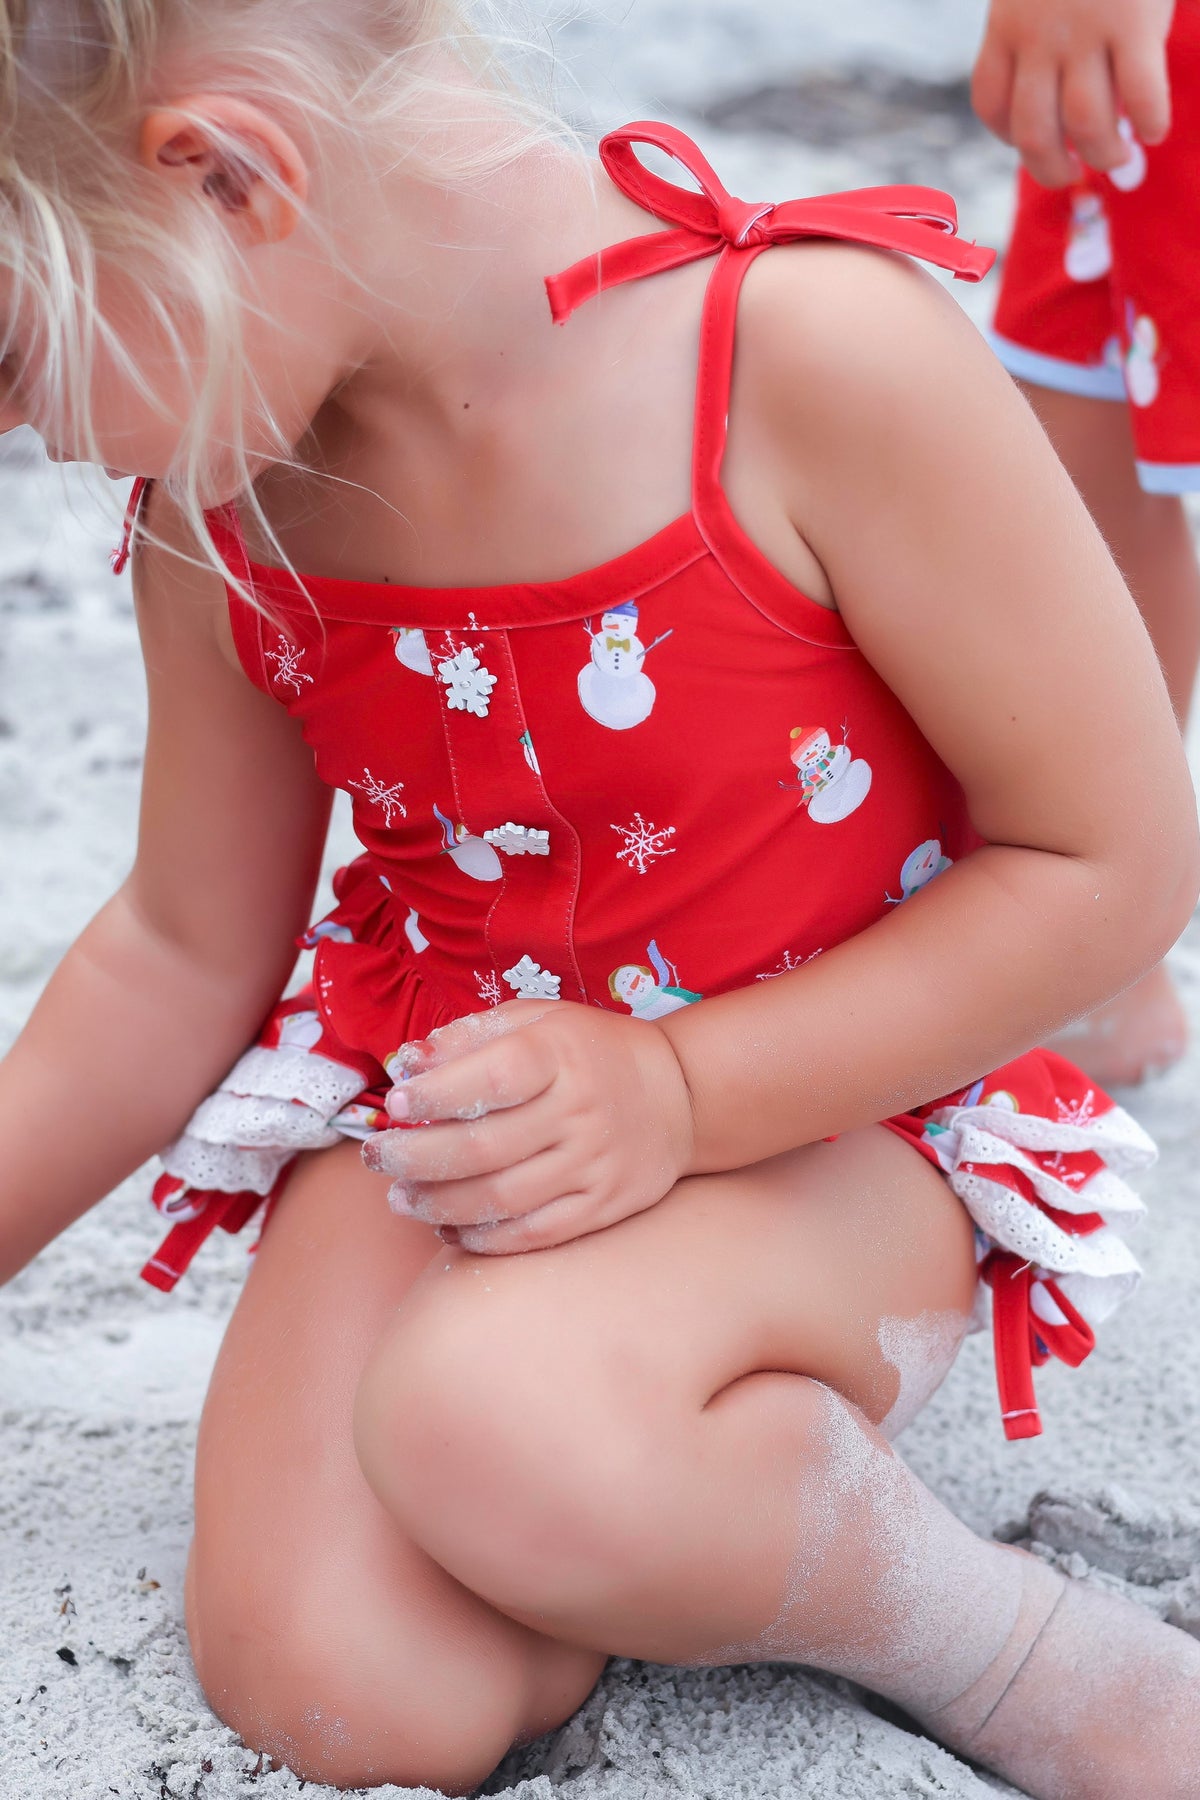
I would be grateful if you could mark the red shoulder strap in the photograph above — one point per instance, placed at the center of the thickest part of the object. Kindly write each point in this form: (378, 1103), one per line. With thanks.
(133, 512)
(918, 221)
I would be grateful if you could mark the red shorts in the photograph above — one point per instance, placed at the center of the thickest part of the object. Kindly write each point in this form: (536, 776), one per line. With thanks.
(1101, 288)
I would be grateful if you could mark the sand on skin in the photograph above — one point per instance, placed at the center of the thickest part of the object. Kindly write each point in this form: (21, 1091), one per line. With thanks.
(101, 1379)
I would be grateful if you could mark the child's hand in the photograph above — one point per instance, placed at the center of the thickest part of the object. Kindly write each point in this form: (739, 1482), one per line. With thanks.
(1057, 76)
(537, 1123)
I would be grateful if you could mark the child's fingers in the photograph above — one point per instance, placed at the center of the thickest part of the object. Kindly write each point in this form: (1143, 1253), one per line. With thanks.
(1036, 125)
(453, 1152)
(1144, 88)
(1090, 114)
(478, 1200)
(992, 87)
(556, 1223)
(510, 1071)
(463, 1035)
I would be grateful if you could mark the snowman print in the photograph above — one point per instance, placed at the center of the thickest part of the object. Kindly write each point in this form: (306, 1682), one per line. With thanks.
(412, 651)
(1089, 247)
(833, 783)
(1132, 171)
(614, 688)
(925, 864)
(650, 990)
(1142, 379)
(470, 854)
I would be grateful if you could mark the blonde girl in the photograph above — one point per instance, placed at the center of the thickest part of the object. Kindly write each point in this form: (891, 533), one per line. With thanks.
(609, 1375)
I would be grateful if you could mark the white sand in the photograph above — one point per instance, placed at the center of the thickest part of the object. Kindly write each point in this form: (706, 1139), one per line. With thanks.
(101, 1379)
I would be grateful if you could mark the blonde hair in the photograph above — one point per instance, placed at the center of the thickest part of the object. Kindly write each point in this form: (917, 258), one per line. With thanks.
(76, 79)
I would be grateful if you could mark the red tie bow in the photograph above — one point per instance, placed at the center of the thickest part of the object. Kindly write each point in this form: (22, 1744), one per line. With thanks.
(918, 221)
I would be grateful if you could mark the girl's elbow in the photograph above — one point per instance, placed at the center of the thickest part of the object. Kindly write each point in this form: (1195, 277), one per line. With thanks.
(1165, 887)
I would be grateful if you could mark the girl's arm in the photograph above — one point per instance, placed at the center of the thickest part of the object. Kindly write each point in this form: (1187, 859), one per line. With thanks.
(161, 993)
(974, 581)
(1056, 76)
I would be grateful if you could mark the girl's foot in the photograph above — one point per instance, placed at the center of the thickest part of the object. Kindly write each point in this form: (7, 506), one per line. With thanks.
(1134, 1037)
(1092, 1698)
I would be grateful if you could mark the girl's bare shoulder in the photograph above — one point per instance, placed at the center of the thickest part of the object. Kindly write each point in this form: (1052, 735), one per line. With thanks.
(849, 334)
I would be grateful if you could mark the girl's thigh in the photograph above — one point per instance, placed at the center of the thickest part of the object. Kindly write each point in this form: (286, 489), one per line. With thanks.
(320, 1632)
(551, 1425)
(839, 1261)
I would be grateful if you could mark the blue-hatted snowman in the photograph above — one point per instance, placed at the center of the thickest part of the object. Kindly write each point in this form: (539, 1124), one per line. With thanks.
(614, 688)
(473, 855)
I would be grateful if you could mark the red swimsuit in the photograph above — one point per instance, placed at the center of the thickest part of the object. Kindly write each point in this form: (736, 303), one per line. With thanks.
(669, 777)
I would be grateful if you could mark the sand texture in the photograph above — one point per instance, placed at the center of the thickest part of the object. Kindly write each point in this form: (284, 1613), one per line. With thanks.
(101, 1379)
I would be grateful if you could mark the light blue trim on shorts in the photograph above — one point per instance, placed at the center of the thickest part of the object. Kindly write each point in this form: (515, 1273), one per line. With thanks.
(1169, 478)
(1092, 381)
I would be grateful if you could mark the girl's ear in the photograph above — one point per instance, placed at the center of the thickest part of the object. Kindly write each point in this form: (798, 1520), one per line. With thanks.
(217, 147)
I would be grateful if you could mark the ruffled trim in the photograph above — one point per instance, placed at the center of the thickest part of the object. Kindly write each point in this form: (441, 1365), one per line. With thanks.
(1049, 1198)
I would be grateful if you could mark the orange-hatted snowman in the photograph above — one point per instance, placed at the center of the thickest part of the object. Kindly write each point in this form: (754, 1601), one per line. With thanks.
(833, 783)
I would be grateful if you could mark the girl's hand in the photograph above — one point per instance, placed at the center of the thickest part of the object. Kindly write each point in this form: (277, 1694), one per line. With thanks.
(1055, 77)
(537, 1122)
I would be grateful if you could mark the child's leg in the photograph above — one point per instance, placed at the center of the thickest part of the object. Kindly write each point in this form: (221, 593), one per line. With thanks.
(643, 1441)
(1148, 534)
(320, 1632)
(1144, 1030)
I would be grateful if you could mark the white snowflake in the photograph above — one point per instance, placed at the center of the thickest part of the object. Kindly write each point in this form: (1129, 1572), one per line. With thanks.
(529, 981)
(387, 799)
(519, 840)
(1077, 1112)
(643, 844)
(287, 659)
(789, 963)
(489, 987)
(468, 684)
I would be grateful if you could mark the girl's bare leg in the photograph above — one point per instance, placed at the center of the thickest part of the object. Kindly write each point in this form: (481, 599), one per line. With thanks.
(659, 1441)
(320, 1632)
(1142, 1031)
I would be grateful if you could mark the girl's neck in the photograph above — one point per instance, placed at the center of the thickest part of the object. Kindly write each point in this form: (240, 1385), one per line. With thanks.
(450, 281)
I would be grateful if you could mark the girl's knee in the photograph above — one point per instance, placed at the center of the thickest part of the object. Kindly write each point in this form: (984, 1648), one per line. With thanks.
(511, 1448)
(298, 1688)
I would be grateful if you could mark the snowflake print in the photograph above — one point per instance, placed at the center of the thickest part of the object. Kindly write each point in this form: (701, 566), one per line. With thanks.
(789, 963)
(1077, 1112)
(387, 799)
(1058, 1166)
(287, 659)
(489, 987)
(529, 981)
(643, 844)
(519, 840)
(468, 684)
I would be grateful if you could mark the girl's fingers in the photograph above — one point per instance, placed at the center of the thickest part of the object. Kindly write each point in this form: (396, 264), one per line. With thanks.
(1036, 125)
(504, 1197)
(992, 87)
(1144, 88)
(556, 1223)
(1090, 114)
(510, 1070)
(457, 1151)
(462, 1036)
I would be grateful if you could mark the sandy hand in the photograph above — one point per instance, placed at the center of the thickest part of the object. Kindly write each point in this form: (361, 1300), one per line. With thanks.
(538, 1122)
(1056, 77)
